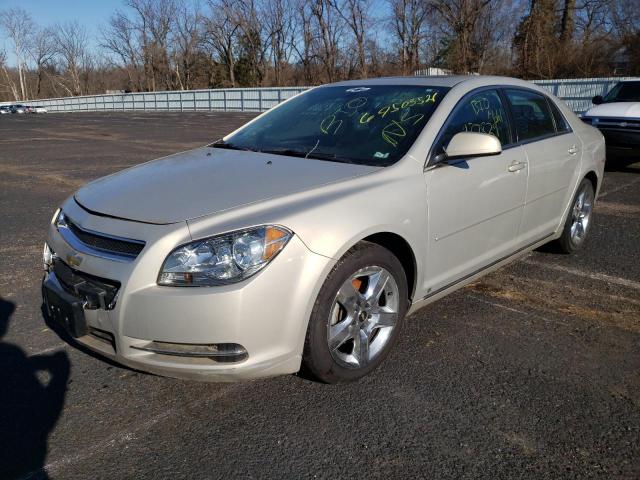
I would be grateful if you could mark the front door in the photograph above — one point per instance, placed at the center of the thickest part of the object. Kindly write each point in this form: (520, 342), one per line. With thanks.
(474, 206)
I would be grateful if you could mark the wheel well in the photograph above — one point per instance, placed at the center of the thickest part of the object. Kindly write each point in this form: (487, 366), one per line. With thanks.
(403, 252)
(593, 178)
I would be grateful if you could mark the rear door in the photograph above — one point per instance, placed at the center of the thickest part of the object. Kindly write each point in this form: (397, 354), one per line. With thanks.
(553, 154)
(475, 205)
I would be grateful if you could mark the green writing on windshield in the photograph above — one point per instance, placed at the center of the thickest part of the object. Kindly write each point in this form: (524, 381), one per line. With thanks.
(393, 131)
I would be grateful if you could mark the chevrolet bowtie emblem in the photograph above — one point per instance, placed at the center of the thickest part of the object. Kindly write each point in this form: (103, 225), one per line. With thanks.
(74, 259)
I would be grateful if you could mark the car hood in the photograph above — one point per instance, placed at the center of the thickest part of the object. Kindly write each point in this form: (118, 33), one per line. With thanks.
(616, 109)
(204, 181)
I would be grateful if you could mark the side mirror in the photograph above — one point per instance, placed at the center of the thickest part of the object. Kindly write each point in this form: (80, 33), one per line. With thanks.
(597, 100)
(471, 144)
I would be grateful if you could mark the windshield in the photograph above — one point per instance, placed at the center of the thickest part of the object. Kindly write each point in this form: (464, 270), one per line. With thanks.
(624, 92)
(372, 125)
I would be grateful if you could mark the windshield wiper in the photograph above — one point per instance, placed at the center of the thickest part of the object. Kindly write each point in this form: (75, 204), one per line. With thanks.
(332, 157)
(312, 154)
(285, 151)
(229, 146)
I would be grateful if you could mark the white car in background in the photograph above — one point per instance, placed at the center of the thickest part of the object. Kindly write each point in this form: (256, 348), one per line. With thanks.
(303, 238)
(5, 109)
(617, 116)
(38, 109)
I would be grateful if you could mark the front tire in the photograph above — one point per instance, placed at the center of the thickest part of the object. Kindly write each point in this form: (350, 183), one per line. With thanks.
(357, 316)
(578, 220)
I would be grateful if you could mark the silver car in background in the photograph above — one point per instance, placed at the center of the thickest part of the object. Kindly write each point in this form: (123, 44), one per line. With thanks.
(304, 238)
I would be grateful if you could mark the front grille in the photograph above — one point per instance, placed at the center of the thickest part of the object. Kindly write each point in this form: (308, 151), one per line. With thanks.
(612, 123)
(105, 243)
(96, 292)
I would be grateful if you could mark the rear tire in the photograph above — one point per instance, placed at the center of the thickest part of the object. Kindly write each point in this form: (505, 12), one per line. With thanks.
(357, 316)
(578, 222)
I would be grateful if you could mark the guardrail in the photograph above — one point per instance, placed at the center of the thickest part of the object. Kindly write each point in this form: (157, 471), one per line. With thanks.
(577, 93)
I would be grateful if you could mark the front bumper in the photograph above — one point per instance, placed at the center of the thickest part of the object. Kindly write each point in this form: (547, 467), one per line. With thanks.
(266, 314)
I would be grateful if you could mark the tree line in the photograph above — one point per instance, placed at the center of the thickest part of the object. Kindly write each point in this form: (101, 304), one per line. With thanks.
(151, 45)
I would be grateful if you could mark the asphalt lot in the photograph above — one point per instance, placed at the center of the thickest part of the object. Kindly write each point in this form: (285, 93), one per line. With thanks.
(533, 372)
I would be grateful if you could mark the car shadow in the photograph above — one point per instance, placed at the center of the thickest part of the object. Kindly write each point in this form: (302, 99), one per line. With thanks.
(32, 394)
(625, 163)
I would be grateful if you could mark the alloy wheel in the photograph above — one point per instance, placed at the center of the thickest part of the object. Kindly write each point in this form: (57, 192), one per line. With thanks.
(362, 317)
(581, 215)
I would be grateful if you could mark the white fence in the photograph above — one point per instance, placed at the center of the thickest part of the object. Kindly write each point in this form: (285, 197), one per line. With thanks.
(576, 92)
(226, 100)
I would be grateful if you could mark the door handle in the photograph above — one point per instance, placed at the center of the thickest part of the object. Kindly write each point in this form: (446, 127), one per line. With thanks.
(573, 150)
(515, 166)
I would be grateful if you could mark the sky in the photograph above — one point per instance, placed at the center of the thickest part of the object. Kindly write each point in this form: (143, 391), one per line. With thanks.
(91, 13)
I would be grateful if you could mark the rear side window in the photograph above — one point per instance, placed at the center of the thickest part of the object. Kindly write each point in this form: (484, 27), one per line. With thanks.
(562, 125)
(482, 112)
(531, 113)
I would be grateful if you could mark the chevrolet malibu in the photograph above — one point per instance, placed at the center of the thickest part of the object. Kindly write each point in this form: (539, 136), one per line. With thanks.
(303, 239)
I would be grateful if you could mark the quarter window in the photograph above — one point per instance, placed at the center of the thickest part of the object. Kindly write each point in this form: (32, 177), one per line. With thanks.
(531, 114)
(482, 112)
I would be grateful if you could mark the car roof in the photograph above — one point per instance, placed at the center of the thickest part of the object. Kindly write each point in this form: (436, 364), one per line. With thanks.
(434, 81)
(472, 81)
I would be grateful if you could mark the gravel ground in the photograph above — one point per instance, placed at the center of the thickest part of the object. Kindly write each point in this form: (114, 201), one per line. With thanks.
(533, 372)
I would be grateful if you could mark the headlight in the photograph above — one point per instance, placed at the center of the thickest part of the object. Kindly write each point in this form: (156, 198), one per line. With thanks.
(223, 259)
(60, 219)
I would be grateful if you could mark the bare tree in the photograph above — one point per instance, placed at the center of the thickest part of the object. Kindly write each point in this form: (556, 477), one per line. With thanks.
(356, 15)
(8, 82)
(536, 42)
(72, 48)
(222, 28)
(328, 31)
(408, 21)
(42, 51)
(462, 18)
(567, 22)
(149, 45)
(152, 22)
(304, 46)
(186, 40)
(252, 42)
(120, 38)
(281, 29)
(19, 27)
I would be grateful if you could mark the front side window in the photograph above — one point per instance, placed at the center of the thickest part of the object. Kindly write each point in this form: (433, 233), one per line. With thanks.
(624, 92)
(531, 114)
(481, 113)
(371, 125)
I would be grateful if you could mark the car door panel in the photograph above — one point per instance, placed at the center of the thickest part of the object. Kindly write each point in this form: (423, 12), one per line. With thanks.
(552, 169)
(475, 209)
(474, 205)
